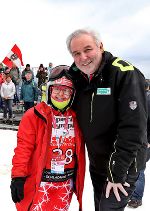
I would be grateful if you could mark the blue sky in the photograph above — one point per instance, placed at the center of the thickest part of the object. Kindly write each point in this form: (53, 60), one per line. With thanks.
(40, 28)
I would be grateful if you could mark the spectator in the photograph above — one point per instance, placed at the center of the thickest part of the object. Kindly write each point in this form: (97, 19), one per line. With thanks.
(16, 79)
(1, 81)
(29, 91)
(6, 70)
(1, 68)
(7, 93)
(27, 69)
(41, 75)
(112, 113)
(43, 89)
(49, 68)
(2, 77)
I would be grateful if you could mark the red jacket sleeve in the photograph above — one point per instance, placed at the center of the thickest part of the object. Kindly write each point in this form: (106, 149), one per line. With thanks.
(25, 145)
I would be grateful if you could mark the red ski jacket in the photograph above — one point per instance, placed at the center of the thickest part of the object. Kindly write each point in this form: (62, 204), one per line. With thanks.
(32, 147)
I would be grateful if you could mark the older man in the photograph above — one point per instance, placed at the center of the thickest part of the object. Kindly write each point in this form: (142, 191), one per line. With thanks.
(111, 110)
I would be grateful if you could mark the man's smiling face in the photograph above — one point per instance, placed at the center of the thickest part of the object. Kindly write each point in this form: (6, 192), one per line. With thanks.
(86, 53)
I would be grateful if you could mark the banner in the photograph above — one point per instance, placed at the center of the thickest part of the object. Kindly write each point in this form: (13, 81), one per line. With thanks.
(14, 56)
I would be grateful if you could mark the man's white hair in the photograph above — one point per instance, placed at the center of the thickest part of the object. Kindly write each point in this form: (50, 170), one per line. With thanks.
(95, 35)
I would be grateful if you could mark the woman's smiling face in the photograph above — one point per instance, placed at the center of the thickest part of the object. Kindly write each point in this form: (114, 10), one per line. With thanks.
(61, 93)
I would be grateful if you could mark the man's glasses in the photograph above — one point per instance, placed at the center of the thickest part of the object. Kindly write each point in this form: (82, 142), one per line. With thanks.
(58, 71)
(66, 91)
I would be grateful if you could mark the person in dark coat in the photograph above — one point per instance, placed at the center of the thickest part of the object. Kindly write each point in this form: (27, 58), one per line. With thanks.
(29, 92)
(112, 113)
(41, 75)
(27, 69)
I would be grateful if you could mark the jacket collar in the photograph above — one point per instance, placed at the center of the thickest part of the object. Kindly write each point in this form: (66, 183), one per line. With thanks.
(42, 110)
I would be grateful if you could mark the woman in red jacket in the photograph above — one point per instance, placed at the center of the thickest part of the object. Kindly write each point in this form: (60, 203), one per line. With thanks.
(49, 160)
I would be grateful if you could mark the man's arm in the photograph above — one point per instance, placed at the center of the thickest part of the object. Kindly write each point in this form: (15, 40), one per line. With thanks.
(131, 130)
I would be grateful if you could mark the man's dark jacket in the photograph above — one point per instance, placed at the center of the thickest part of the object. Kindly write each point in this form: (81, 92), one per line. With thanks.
(112, 113)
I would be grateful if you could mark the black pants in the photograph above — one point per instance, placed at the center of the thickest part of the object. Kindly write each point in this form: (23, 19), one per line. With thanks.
(110, 204)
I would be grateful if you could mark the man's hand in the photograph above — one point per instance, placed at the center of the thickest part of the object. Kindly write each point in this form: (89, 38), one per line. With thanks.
(116, 187)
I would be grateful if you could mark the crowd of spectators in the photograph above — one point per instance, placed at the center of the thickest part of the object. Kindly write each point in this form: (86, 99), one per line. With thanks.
(30, 87)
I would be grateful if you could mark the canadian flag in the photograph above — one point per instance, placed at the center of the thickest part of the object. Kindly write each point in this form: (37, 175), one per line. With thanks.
(14, 56)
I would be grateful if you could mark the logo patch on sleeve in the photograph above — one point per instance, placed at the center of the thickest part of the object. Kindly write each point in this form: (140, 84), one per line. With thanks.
(103, 91)
(133, 105)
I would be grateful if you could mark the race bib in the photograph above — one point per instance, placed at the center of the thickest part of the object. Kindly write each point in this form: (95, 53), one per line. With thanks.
(57, 164)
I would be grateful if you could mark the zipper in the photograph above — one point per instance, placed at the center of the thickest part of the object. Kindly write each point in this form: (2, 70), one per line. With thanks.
(101, 80)
(135, 165)
(92, 107)
(113, 162)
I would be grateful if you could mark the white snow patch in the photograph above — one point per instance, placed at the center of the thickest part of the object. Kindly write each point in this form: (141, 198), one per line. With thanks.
(7, 145)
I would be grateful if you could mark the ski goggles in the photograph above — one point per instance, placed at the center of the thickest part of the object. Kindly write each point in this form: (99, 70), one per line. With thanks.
(66, 90)
(58, 72)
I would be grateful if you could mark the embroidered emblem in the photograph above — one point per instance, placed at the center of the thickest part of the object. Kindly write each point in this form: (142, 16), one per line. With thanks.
(133, 105)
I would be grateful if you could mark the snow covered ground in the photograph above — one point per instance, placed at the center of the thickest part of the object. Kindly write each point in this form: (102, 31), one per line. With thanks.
(7, 145)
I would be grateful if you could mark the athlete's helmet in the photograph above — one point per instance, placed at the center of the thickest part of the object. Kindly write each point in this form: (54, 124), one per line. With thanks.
(59, 76)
